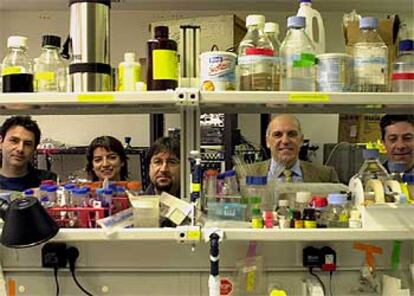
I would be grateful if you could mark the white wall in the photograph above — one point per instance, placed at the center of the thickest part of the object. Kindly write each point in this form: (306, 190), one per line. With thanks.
(129, 31)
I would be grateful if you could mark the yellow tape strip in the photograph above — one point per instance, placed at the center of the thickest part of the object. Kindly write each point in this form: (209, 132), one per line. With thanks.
(95, 98)
(309, 98)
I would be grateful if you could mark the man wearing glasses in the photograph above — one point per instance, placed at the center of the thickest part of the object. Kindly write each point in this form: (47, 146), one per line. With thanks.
(164, 167)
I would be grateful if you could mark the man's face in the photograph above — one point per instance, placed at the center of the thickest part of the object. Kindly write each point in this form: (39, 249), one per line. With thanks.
(164, 172)
(106, 164)
(399, 142)
(284, 140)
(17, 147)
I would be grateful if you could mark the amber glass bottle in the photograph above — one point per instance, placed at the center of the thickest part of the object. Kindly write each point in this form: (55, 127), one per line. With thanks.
(162, 69)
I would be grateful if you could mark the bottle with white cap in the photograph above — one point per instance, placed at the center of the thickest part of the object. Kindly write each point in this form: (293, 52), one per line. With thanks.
(313, 18)
(17, 69)
(256, 57)
(370, 58)
(403, 68)
(271, 30)
(129, 73)
(297, 58)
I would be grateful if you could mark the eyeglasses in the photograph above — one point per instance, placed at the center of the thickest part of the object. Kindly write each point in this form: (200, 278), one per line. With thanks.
(171, 162)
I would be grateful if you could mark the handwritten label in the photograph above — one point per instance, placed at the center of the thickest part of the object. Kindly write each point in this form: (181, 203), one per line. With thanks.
(308, 98)
(95, 98)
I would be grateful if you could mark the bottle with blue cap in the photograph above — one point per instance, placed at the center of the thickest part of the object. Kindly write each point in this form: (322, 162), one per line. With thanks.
(370, 58)
(297, 58)
(403, 68)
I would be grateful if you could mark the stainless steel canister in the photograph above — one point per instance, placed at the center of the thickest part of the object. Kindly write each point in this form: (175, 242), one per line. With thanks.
(90, 68)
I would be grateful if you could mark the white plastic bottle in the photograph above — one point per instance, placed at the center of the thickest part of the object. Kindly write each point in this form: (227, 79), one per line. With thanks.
(313, 17)
(255, 60)
(271, 30)
(297, 58)
(370, 58)
(129, 73)
(17, 68)
(50, 70)
(403, 68)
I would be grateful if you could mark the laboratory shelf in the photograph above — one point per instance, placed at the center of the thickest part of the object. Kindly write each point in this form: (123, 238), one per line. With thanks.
(89, 103)
(232, 234)
(315, 235)
(304, 102)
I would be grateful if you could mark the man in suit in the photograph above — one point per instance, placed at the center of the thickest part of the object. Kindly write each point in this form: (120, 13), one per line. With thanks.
(397, 132)
(284, 138)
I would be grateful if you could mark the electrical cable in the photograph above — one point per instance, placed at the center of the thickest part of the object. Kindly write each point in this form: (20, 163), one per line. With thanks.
(330, 283)
(318, 278)
(73, 254)
(55, 273)
(331, 154)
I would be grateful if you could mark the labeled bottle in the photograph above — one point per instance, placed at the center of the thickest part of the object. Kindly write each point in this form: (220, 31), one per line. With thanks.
(272, 32)
(313, 17)
(283, 215)
(370, 58)
(17, 69)
(297, 58)
(50, 70)
(255, 57)
(162, 70)
(403, 68)
(129, 73)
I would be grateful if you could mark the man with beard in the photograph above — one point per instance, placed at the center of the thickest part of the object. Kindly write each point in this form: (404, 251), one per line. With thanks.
(397, 132)
(164, 167)
(284, 138)
(19, 137)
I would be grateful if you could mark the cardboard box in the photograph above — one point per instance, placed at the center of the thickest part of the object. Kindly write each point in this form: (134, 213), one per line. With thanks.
(359, 128)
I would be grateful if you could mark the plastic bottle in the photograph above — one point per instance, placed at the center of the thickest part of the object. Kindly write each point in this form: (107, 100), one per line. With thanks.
(297, 58)
(372, 167)
(313, 17)
(17, 69)
(230, 180)
(129, 73)
(337, 212)
(403, 68)
(257, 221)
(283, 213)
(370, 58)
(50, 70)
(271, 30)
(256, 190)
(256, 57)
(162, 69)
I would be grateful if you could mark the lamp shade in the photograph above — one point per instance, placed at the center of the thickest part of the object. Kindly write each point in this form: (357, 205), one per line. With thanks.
(26, 223)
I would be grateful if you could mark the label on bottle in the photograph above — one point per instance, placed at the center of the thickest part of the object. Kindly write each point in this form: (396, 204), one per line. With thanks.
(165, 64)
(47, 76)
(12, 70)
(370, 66)
(128, 77)
(309, 223)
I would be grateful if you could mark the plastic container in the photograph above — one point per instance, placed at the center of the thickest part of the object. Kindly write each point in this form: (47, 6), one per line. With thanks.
(226, 211)
(129, 73)
(370, 58)
(271, 30)
(50, 70)
(297, 58)
(334, 72)
(313, 17)
(257, 221)
(17, 68)
(162, 67)
(257, 194)
(218, 71)
(52, 194)
(255, 57)
(283, 213)
(403, 68)
(337, 212)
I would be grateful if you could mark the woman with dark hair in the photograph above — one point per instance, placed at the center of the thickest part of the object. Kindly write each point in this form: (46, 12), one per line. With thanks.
(106, 160)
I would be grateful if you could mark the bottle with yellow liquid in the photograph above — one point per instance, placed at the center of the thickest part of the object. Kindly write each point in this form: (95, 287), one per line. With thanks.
(129, 73)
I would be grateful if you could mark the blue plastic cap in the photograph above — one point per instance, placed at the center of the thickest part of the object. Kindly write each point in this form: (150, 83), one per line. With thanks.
(305, 1)
(100, 191)
(370, 153)
(296, 22)
(406, 45)
(119, 189)
(220, 176)
(230, 173)
(408, 178)
(44, 199)
(28, 192)
(44, 187)
(256, 180)
(52, 188)
(69, 186)
(337, 199)
(368, 22)
(82, 190)
(108, 191)
(396, 167)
